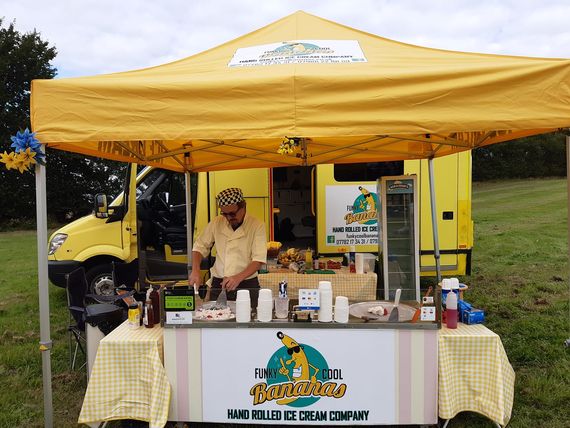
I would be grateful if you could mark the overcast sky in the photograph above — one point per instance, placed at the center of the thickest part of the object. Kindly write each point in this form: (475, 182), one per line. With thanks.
(103, 36)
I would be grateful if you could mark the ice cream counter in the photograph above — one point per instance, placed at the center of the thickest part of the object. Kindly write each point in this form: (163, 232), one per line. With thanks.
(302, 373)
(266, 373)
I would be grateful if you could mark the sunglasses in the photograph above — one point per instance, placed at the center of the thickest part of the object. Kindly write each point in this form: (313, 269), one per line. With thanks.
(295, 349)
(231, 214)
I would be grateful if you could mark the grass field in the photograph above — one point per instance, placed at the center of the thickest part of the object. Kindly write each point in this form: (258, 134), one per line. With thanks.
(520, 277)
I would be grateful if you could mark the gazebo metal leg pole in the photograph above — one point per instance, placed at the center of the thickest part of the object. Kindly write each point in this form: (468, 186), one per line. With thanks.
(568, 220)
(189, 239)
(43, 292)
(434, 220)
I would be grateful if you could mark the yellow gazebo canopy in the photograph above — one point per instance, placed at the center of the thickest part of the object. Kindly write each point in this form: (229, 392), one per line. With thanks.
(346, 95)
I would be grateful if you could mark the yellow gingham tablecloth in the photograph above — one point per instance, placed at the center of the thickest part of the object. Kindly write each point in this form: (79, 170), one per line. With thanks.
(128, 380)
(474, 373)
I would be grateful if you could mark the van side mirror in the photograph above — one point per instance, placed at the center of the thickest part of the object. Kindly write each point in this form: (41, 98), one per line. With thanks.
(101, 208)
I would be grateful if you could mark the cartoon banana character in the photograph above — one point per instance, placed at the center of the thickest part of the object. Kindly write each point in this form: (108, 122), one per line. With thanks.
(301, 367)
(368, 198)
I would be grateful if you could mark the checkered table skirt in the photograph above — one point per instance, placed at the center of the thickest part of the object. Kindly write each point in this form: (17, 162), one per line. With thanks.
(474, 373)
(128, 380)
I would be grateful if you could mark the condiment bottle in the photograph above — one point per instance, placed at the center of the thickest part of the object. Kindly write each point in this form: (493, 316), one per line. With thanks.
(315, 261)
(451, 310)
(308, 257)
(141, 312)
(155, 297)
(134, 316)
(352, 259)
(148, 319)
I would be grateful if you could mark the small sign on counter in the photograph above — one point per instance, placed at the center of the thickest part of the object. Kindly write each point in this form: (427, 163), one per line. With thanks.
(178, 318)
(178, 305)
(309, 299)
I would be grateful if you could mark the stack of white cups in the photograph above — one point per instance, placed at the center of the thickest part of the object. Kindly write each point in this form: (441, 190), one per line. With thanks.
(325, 298)
(265, 305)
(243, 306)
(341, 309)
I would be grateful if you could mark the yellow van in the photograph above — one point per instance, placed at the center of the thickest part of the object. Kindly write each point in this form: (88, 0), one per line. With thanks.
(148, 220)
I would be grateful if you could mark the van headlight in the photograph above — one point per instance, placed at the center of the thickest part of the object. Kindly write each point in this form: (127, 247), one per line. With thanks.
(56, 242)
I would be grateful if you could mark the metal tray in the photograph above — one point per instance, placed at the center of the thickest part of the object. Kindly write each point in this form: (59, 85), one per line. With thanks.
(209, 305)
(360, 310)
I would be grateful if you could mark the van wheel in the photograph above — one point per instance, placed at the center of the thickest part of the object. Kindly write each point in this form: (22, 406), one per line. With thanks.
(100, 280)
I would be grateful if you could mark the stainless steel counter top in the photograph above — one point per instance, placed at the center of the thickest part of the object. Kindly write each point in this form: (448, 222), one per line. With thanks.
(353, 323)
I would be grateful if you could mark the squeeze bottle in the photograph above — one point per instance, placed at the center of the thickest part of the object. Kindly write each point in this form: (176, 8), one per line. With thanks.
(309, 258)
(352, 259)
(451, 310)
(148, 319)
(155, 297)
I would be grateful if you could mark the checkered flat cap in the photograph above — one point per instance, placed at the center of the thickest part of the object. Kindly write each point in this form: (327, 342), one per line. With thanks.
(230, 196)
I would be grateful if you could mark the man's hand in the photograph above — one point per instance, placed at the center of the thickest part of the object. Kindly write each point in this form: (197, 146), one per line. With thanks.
(194, 278)
(231, 282)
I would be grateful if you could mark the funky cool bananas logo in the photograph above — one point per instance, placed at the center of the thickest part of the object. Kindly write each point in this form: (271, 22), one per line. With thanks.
(364, 208)
(295, 49)
(297, 375)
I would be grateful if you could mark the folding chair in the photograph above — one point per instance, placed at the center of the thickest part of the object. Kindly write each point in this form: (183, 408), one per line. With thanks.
(76, 292)
(77, 298)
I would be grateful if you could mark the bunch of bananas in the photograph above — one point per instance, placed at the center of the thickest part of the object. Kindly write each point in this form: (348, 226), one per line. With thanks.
(289, 256)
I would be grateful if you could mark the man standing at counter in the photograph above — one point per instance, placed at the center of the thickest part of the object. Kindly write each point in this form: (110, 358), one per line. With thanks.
(241, 248)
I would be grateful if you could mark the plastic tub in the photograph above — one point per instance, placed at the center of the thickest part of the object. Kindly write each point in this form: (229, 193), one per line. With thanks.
(369, 262)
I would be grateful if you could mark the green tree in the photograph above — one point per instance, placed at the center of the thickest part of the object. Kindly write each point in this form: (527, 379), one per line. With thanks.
(23, 57)
(531, 157)
(71, 179)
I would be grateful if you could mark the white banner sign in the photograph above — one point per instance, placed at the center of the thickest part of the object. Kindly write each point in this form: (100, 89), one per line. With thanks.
(296, 376)
(352, 215)
(299, 52)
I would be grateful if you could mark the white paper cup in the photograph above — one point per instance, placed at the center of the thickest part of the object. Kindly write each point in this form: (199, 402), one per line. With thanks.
(243, 295)
(243, 311)
(264, 307)
(341, 301)
(243, 306)
(341, 309)
(263, 314)
(326, 301)
(341, 315)
(265, 294)
(359, 262)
